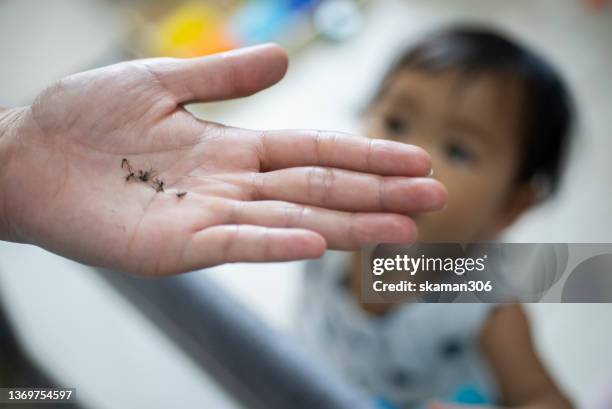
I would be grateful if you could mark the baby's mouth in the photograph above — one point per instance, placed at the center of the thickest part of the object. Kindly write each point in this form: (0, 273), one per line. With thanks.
(414, 216)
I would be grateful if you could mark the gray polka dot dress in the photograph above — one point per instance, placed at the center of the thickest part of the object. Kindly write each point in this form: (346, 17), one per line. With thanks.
(413, 353)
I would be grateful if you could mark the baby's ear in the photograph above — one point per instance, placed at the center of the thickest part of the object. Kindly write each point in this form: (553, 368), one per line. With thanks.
(521, 199)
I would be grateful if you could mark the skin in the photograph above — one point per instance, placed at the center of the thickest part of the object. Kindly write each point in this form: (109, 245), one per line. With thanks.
(470, 128)
(252, 195)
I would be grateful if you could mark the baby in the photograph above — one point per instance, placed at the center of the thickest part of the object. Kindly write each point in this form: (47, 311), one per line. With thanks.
(495, 119)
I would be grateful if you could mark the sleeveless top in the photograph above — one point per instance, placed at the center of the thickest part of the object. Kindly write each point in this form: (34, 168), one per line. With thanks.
(412, 354)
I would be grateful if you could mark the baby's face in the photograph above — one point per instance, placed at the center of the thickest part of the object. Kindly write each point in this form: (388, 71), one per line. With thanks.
(471, 130)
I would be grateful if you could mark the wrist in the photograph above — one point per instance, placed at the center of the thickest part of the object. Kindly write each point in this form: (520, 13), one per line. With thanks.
(10, 122)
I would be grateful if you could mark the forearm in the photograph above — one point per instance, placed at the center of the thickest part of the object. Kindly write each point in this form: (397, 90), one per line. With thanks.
(550, 401)
(10, 118)
(524, 381)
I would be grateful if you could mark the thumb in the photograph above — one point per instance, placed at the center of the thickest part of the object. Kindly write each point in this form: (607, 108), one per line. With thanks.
(233, 74)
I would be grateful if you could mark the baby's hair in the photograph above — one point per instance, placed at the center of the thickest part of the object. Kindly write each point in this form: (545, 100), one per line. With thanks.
(547, 108)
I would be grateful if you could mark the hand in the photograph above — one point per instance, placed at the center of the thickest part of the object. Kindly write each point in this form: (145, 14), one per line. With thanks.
(250, 195)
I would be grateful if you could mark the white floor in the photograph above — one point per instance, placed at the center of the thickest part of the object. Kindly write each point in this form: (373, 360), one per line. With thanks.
(325, 87)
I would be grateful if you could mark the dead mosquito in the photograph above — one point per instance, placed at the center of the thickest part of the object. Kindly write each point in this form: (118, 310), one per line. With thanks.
(180, 195)
(158, 185)
(126, 164)
(146, 175)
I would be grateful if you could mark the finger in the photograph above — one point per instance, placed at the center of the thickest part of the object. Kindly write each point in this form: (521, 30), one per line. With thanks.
(232, 74)
(285, 149)
(244, 243)
(351, 191)
(341, 230)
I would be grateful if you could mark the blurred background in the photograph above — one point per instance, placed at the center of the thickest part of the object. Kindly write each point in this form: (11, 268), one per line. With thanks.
(88, 336)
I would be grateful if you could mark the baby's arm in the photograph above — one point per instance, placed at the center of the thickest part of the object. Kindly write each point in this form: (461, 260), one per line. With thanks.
(523, 380)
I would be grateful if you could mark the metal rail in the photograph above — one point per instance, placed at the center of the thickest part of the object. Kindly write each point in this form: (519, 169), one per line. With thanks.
(261, 367)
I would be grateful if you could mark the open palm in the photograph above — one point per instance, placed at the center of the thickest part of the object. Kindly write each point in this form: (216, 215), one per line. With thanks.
(192, 193)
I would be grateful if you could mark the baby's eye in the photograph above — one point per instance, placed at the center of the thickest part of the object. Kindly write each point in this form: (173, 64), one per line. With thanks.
(459, 153)
(396, 125)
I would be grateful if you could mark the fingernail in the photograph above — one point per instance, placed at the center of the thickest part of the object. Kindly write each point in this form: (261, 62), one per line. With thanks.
(436, 199)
